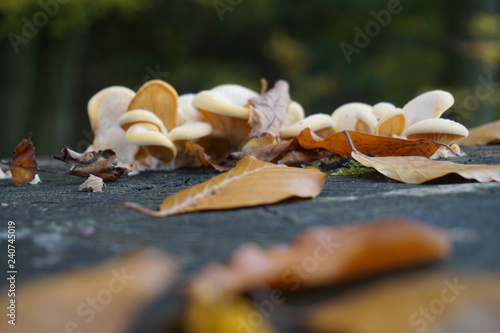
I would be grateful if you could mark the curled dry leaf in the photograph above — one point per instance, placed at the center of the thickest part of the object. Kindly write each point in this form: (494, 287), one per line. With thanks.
(63, 303)
(325, 255)
(369, 144)
(92, 184)
(23, 165)
(212, 309)
(102, 163)
(268, 111)
(250, 183)
(482, 135)
(418, 303)
(198, 150)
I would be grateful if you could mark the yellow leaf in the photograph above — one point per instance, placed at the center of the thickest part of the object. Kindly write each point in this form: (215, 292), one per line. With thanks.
(417, 169)
(250, 183)
(482, 135)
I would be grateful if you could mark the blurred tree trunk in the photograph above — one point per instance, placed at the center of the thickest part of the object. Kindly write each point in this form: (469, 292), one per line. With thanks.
(463, 71)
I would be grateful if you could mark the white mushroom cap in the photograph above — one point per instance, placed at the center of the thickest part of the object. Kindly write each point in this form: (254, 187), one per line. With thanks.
(345, 117)
(187, 112)
(104, 110)
(431, 104)
(319, 122)
(227, 100)
(442, 130)
(295, 112)
(366, 122)
(381, 109)
(391, 124)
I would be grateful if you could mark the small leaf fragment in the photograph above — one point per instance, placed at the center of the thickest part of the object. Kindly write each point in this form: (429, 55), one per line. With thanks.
(103, 163)
(250, 183)
(268, 111)
(23, 164)
(92, 184)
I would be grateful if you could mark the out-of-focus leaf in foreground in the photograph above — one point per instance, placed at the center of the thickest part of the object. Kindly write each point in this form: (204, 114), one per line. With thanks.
(482, 135)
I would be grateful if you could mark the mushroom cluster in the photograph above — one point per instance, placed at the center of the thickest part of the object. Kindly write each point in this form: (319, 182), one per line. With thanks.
(149, 129)
(419, 118)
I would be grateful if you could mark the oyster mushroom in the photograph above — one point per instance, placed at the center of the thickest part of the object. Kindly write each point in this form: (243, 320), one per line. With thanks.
(160, 122)
(382, 109)
(431, 104)
(104, 110)
(321, 124)
(392, 123)
(442, 130)
(354, 117)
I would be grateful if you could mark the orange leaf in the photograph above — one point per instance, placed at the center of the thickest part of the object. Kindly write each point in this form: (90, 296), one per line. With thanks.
(23, 165)
(369, 144)
(324, 255)
(125, 285)
(199, 151)
(457, 303)
(250, 183)
(482, 135)
(417, 169)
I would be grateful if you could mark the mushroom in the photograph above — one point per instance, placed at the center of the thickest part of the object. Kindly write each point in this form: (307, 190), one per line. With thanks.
(392, 123)
(442, 130)
(354, 117)
(104, 110)
(160, 123)
(227, 109)
(383, 108)
(321, 124)
(431, 104)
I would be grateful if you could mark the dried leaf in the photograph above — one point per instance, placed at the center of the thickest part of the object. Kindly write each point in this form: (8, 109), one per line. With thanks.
(92, 184)
(325, 255)
(369, 144)
(23, 164)
(482, 135)
(268, 111)
(419, 303)
(250, 183)
(198, 150)
(417, 170)
(101, 164)
(211, 309)
(103, 298)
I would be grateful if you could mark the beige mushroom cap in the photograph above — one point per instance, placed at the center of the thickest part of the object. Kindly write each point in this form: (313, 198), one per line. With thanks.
(190, 131)
(227, 100)
(346, 116)
(141, 116)
(442, 130)
(319, 122)
(160, 98)
(187, 112)
(156, 143)
(295, 112)
(392, 123)
(108, 105)
(431, 104)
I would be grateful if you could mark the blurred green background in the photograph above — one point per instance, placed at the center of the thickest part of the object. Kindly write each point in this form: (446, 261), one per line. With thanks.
(55, 54)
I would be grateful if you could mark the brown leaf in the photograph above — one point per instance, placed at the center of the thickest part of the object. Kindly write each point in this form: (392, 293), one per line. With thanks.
(482, 135)
(102, 163)
(418, 303)
(198, 150)
(104, 298)
(250, 183)
(23, 164)
(268, 111)
(369, 144)
(325, 255)
(418, 169)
